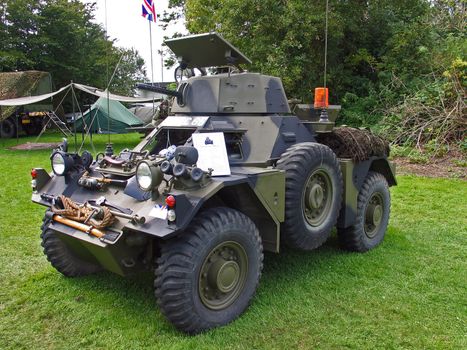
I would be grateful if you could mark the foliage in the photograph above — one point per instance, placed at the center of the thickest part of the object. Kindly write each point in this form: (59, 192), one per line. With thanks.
(286, 38)
(388, 60)
(408, 293)
(60, 37)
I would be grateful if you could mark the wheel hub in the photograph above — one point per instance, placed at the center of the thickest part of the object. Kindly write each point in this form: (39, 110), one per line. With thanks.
(374, 215)
(317, 197)
(223, 275)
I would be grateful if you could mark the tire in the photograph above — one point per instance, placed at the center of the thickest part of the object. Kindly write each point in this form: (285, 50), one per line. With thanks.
(33, 130)
(373, 209)
(220, 253)
(312, 171)
(61, 258)
(7, 129)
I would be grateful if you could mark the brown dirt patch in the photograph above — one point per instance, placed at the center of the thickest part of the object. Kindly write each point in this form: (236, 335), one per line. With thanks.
(445, 167)
(35, 146)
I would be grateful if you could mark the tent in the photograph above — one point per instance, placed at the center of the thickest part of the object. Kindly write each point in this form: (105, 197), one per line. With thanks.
(145, 112)
(114, 120)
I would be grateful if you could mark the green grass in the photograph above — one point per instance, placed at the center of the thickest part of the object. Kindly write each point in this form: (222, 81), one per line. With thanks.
(408, 293)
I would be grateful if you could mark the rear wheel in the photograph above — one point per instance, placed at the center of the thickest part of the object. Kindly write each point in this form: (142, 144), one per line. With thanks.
(7, 129)
(313, 194)
(62, 258)
(207, 276)
(373, 208)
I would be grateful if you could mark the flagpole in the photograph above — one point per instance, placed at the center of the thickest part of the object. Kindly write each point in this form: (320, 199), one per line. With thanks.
(152, 63)
(150, 46)
(162, 65)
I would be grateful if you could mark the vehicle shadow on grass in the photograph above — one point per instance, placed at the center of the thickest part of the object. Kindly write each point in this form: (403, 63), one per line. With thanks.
(134, 295)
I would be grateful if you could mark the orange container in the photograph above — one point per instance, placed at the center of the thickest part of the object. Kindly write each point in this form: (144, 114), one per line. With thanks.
(321, 97)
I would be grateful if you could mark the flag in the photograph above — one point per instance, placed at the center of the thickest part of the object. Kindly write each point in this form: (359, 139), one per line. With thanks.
(149, 10)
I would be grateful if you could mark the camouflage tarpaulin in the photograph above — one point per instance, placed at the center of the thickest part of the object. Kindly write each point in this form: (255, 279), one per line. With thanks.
(22, 84)
(356, 144)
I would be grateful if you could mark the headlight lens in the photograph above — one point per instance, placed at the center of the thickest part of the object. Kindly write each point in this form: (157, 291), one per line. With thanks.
(58, 164)
(144, 176)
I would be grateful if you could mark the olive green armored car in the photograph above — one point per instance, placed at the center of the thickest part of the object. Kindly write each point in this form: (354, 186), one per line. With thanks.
(230, 173)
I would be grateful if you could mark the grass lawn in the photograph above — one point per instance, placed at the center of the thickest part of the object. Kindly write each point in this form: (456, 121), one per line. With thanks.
(408, 293)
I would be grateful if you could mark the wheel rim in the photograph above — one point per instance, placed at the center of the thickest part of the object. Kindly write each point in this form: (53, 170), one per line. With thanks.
(317, 197)
(374, 215)
(223, 275)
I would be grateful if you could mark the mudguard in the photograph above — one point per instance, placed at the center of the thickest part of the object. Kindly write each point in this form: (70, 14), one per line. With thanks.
(354, 175)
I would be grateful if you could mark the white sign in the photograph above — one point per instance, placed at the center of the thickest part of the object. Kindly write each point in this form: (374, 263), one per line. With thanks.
(159, 211)
(179, 121)
(212, 152)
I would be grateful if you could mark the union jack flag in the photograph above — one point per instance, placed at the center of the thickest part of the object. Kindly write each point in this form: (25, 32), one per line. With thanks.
(149, 10)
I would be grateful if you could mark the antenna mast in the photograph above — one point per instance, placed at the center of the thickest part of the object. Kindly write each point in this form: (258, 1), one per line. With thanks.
(324, 125)
(108, 148)
(326, 43)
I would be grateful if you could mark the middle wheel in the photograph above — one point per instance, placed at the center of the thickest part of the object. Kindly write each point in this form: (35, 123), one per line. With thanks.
(313, 194)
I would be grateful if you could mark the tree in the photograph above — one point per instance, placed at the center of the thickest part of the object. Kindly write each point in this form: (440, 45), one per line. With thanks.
(286, 38)
(60, 37)
(129, 69)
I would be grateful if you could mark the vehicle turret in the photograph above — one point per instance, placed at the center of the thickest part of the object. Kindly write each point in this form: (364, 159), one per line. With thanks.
(229, 90)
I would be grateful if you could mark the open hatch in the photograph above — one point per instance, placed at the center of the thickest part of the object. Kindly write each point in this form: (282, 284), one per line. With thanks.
(206, 50)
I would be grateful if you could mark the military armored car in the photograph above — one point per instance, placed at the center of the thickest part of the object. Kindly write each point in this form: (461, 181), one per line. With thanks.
(230, 173)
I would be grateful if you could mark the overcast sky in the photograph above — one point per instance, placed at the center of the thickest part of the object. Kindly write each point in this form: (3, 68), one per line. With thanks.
(131, 30)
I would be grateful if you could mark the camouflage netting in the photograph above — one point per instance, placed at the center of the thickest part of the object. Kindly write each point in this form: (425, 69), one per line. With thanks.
(19, 84)
(357, 144)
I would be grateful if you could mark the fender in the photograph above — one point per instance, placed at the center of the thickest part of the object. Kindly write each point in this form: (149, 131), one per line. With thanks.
(265, 186)
(354, 175)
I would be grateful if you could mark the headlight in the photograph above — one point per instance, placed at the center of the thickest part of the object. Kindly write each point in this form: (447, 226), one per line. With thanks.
(61, 163)
(148, 176)
(144, 176)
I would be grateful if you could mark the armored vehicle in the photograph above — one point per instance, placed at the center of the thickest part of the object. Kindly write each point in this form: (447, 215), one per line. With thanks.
(229, 173)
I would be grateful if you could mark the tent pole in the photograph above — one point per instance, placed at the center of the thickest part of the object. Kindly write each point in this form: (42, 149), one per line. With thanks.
(17, 131)
(74, 117)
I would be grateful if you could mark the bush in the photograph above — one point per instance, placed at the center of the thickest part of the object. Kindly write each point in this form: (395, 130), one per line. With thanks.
(434, 115)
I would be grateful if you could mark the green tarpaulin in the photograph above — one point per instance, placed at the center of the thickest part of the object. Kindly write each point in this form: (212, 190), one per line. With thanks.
(114, 119)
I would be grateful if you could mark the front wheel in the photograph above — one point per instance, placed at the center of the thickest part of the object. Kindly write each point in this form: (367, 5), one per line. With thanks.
(207, 276)
(62, 258)
(373, 207)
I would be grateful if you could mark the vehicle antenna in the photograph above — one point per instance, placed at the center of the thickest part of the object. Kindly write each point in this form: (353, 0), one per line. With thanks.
(326, 43)
(324, 113)
(108, 149)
